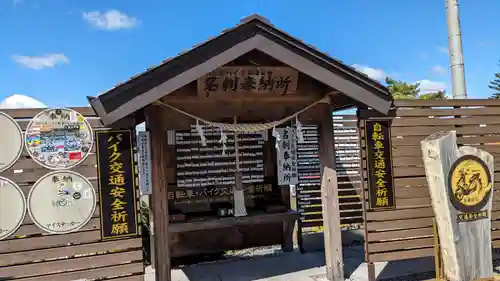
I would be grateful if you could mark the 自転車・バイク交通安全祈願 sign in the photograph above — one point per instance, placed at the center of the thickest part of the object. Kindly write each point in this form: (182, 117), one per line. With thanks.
(59, 138)
(12, 207)
(62, 202)
(11, 142)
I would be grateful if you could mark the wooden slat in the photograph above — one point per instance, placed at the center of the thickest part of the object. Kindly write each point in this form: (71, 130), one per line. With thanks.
(472, 139)
(425, 131)
(422, 121)
(68, 251)
(417, 161)
(402, 255)
(416, 152)
(400, 245)
(400, 214)
(412, 192)
(399, 224)
(400, 234)
(31, 112)
(425, 112)
(413, 202)
(49, 241)
(443, 103)
(82, 263)
(117, 270)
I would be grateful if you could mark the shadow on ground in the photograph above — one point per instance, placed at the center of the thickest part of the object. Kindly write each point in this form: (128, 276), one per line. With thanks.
(285, 266)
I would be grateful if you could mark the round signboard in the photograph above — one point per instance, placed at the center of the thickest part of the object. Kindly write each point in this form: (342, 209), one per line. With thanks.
(61, 202)
(12, 207)
(59, 138)
(11, 142)
(469, 184)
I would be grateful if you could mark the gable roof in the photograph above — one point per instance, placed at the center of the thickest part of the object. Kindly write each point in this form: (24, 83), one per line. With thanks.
(253, 33)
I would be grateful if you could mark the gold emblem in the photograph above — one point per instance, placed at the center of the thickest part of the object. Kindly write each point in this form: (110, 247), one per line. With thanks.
(469, 184)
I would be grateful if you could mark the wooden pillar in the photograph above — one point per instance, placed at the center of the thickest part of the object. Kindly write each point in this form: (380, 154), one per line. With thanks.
(159, 202)
(329, 197)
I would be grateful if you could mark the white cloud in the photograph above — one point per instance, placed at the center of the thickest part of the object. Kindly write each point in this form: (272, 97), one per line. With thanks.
(428, 86)
(443, 50)
(439, 69)
(21, 101)
(110, 20)
(374, 73)
(41, 62)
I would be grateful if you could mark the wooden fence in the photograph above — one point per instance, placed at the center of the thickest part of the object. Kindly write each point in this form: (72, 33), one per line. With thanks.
(406, 231)
(348, 167)
(32, 255)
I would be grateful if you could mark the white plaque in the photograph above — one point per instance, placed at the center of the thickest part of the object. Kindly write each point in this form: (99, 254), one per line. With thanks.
(11, 142)
(143, 144)
(12, 207)
(62, 202)
(59, 138)
(287, 157)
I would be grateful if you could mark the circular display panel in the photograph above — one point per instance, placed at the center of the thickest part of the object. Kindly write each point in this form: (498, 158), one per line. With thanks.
(469, 184)
(59, 138)
(13, 206)
(11, 142)
(61, 202)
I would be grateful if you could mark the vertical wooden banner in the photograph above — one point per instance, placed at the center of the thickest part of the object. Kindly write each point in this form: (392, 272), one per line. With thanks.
(115, 166)
(461, 187)
(381, 194)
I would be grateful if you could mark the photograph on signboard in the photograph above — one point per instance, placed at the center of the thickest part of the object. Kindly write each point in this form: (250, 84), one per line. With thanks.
(13, 202)
(62, 202)
(59, 138)
(11, 142)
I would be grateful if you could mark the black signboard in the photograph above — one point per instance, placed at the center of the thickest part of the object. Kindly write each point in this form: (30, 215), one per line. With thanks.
(115, 166)
(379, 164)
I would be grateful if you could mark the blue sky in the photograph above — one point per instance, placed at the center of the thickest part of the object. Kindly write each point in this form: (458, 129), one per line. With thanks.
(59, 51)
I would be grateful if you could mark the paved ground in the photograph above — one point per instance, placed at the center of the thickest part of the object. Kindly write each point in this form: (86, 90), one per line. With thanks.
(297, 267)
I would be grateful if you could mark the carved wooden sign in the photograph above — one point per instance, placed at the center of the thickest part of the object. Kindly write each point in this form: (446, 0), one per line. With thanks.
(379, 163)
(461, 187)
(248, 79)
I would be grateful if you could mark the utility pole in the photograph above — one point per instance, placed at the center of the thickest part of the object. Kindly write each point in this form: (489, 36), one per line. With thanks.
(455, 50)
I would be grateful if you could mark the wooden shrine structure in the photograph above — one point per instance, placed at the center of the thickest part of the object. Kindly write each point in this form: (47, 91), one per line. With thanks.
(251, 78)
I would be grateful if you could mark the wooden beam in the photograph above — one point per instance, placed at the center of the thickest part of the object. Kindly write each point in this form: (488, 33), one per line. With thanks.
(329, 198)
(159, 202)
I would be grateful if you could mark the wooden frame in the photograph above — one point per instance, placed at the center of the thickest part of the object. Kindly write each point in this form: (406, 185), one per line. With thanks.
(254, 34)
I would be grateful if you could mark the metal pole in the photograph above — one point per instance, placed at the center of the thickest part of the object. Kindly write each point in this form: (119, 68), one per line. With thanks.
(455, 50)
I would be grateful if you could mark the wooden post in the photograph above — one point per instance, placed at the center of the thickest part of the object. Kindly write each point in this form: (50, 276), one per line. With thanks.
(364, 199)
(329, 199)
(461, 187)
(159, 202)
